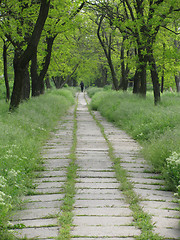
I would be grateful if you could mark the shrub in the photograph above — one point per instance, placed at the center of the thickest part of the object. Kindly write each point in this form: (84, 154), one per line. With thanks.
(92, 90)
(173, 169)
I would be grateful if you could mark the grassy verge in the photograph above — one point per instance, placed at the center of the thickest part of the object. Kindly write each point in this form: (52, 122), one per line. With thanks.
(22, 135)
(66, 216)
(156, 128)
(141, 219)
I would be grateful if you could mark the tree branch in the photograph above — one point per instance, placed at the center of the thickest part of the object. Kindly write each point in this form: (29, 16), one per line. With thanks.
(171, 30)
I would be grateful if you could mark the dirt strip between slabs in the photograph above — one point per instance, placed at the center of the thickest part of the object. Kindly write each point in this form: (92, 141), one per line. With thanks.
(101, 210)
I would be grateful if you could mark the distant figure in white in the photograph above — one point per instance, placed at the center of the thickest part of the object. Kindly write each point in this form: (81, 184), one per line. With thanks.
(82, 86)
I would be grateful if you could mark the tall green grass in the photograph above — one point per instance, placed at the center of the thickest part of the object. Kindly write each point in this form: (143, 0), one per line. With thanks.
(22, 134)
(157, 128)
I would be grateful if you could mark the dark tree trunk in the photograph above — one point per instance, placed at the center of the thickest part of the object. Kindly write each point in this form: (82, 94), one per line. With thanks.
(140, 74)
(47, 82)
(162, 82)
(142, 71)
(34, 76)
(154, 77)
(19, 73)
(136, 82)
(177, 80)
(104, 75)
(5, 72)
(38, 80)
(163, 66)
(124, 79)
(58, 81)
(26, 84)
(108, 54)
(46, 62)
(22, 57)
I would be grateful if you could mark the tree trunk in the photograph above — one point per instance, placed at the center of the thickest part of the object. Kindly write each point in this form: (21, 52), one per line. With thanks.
(163, 66)
(23, 57)
(177, 80)
(47, 82)
(108, 54)
(142, 70)
(104, 75)
(124, 79)
(34, 76)
(162, 82)
(19, 74)
(136, 81)
(5, 72)
(26, 84)
(154, 77)
(140, 74)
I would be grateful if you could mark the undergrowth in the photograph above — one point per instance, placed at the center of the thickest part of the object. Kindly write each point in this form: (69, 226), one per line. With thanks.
(22, 134)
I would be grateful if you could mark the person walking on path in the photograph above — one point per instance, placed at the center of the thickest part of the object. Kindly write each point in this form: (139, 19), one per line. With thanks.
(82, 86)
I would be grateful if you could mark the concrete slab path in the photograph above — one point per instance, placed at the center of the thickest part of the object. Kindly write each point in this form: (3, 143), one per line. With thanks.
(100, 208)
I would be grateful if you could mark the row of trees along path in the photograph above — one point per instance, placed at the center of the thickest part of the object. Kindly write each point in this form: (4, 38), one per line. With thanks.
(131, 41)
(101, 209)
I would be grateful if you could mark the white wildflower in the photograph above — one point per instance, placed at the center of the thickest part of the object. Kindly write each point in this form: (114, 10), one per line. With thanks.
(2, 182)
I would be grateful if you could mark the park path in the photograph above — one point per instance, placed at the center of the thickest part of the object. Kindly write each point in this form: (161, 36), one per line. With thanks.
(100, 208)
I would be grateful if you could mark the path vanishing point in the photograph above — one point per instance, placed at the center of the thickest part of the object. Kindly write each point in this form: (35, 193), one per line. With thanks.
(101, 210)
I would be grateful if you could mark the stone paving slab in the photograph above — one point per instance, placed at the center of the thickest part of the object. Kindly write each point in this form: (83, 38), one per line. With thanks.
(96, 174)
(52, 173)
(95, 185)
(35, 213)
(147, 192)
(124, 212)
(56, 155)
(38, 222)
(100, 203)
(101, 220)
(49, 179)
(148, 186)
(104, 231)
(47, 204)
(44, 197)
(41, 232)
(104, 238)
(99, 191)
(94, 196)
(159, 204)
(97, 180)
(145, 180)
(166, 223)
(48, 190)
(162, 212)
(168, 233)
(50, 185)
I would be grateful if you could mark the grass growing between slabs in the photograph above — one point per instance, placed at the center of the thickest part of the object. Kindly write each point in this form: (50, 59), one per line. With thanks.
(66, 216)
(156, 128)
(141, 219)
(22, 134)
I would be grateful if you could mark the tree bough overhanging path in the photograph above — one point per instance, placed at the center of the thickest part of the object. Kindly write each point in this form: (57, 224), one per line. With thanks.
(103, 207)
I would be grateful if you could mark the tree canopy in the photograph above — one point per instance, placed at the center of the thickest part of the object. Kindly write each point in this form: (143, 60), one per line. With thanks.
(116, 42)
